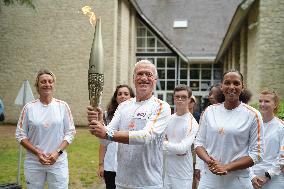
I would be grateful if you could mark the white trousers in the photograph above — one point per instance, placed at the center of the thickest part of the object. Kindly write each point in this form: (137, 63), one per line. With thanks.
(231, 181)
(175, 183)
(56, 176)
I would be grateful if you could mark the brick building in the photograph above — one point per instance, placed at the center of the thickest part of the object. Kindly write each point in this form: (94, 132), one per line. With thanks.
(182, 38)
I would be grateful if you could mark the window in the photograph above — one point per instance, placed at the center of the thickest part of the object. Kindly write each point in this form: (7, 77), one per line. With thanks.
(147, 41)
(199, 76)
(172, 72)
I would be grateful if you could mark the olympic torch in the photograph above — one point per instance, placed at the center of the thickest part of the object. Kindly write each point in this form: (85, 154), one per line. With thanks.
(96, 68)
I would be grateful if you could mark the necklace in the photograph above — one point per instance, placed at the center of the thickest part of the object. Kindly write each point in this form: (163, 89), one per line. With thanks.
(222, 121)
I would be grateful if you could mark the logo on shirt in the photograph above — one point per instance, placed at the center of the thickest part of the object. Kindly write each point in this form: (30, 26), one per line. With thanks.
(221, 131)
(141, 114)
(45, 124)
(131, 126)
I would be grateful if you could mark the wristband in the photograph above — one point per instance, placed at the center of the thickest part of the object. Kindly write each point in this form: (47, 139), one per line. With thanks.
(267, 175)
(109, 135)
(59, 151)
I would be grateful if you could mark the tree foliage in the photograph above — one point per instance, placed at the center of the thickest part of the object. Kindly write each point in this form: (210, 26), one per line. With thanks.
(28, 3)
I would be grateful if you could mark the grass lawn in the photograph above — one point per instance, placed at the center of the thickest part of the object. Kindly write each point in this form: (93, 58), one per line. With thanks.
(82, 155)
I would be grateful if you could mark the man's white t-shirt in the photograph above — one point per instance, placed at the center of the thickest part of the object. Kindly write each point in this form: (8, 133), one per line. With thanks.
(140, 161)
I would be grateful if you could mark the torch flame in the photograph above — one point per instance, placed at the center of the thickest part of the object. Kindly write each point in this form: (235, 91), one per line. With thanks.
(87, 10)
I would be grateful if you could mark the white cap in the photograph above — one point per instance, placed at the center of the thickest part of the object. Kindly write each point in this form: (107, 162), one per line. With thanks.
(193, 98)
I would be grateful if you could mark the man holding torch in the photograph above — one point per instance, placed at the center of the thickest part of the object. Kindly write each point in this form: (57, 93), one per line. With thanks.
(138, 126)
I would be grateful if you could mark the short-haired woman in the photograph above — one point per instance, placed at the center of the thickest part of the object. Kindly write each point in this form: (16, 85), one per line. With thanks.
(45, 128)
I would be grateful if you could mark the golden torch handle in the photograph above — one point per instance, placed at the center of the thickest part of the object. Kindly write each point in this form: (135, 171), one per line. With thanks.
(95, 83)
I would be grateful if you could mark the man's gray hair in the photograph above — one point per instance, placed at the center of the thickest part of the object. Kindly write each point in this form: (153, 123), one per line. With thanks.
(147, 62)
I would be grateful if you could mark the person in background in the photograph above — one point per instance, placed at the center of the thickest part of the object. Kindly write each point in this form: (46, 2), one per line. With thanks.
(215, 97)
(196, 115)
(215, 94)
(108, 154)
(2, 113)
(230, 137)
(267, 174)
(191, 106)
(245, 96)
(46, 128)
(139, 127)
(181, 131)
(281, 157)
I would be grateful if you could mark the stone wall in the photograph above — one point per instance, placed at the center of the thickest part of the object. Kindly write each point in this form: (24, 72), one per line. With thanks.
(261, 45)
(252, 49)
(56, 36)
(270, 56)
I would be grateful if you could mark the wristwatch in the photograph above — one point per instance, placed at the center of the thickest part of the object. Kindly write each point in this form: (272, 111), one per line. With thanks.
(109, 135)
(267, 175)
(59, 151)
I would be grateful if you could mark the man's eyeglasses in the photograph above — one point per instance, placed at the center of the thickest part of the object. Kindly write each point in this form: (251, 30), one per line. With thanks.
(183, 98)
(146, 74)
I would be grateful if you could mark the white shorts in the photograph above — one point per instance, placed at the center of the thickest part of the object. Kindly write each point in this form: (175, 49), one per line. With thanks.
(57, 175)
(230, 181)
(175, 183)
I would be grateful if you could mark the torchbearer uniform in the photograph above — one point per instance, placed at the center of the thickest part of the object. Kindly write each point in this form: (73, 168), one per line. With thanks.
(46, 126)
(281, 154)
(180, 133)
(110, 161)
(273, 137)
(228, 135)
(139, 163)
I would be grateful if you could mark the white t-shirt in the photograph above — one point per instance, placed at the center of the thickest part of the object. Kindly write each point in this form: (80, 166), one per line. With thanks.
(281, 152)
(110, 160)
(228, 135)
(45, 126)
(180, 133)
(273, 136)
(140, 161)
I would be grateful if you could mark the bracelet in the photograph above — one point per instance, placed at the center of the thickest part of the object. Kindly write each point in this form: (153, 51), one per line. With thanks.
(100, 164)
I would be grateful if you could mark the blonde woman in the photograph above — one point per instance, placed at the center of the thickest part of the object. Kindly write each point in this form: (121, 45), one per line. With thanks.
(267, 174)
(45, 128)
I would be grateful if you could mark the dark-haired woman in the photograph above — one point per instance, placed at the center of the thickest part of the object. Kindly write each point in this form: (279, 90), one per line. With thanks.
(267, 174)
(108, 154)
(230, 138)
(215, 94)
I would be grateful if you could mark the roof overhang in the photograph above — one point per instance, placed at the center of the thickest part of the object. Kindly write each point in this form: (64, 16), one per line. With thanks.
(234, 27)
(161, 35)
(201, 59)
